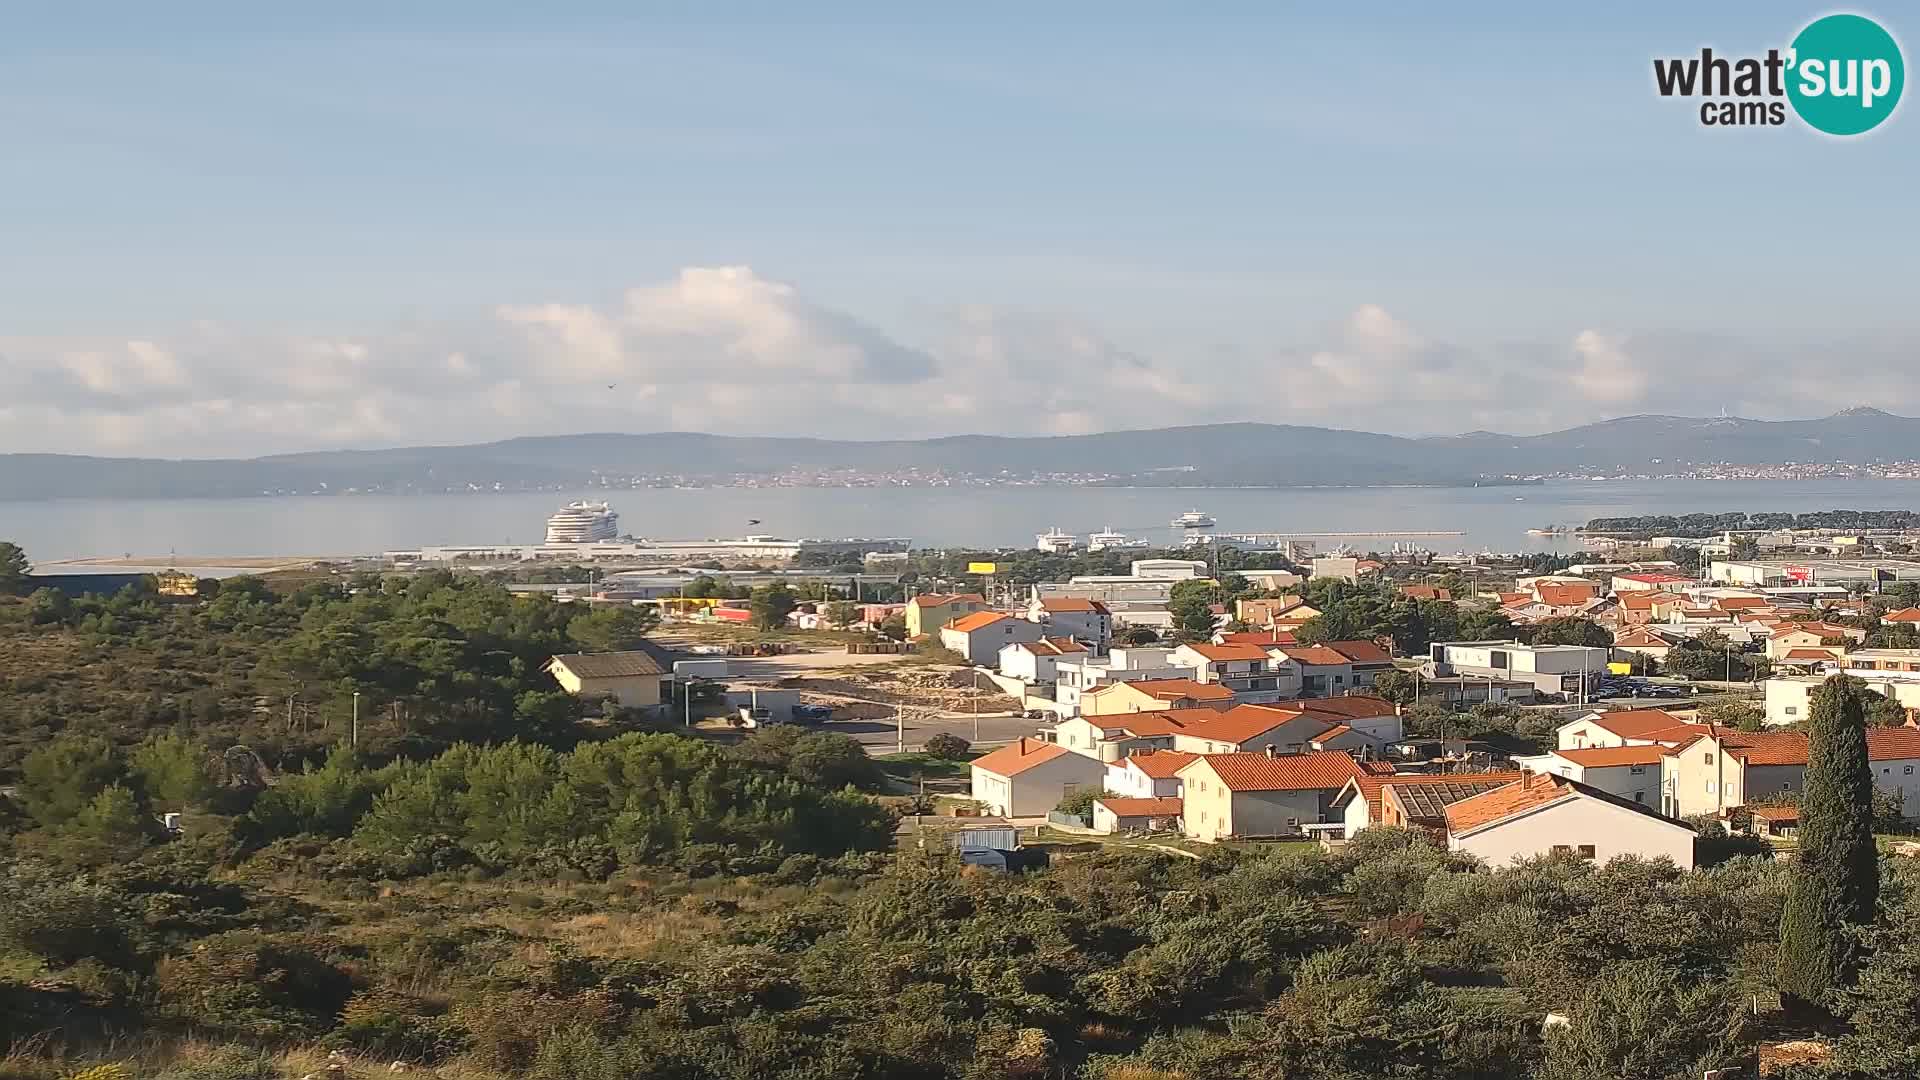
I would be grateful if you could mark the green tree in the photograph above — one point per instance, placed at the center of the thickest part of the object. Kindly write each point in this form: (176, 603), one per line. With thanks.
(13, 569)
(895, 627)
(58, 780)
(1572, 630)
(1136, 635)
(771, 604)
(1743, 715)
(831, 760)
(613, 629)
(111, 827)
(947, 746)
(841, 614)
(1836, 875)
(1399, 687)
(171, 771)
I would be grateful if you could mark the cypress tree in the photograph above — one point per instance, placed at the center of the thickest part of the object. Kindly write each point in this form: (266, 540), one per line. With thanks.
(1836, 875)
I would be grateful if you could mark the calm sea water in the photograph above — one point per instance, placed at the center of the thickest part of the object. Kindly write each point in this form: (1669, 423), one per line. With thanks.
(1490, 518)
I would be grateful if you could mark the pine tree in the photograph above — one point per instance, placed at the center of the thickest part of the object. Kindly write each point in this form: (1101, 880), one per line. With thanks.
(1836, 875)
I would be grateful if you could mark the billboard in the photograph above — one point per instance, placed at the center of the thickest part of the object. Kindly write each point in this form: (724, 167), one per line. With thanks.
(1801, 574)
(981, 567)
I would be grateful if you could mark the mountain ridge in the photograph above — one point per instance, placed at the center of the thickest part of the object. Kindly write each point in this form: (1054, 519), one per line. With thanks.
(1240, 454)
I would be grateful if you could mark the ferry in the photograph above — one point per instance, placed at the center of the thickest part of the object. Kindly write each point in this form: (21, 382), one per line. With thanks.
(1108, 538)
(1194, 519)
(1054, 542)
(583, 523)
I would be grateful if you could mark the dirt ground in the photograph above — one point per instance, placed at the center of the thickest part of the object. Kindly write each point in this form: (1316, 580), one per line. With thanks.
(877, 691)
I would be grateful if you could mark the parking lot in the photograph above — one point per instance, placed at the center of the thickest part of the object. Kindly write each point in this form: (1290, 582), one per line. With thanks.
(880, 736)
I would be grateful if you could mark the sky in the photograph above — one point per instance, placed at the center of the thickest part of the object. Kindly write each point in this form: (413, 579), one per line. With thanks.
(229, 230)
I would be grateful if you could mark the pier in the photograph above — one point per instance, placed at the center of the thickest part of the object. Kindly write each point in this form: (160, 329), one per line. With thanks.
(1402, 534)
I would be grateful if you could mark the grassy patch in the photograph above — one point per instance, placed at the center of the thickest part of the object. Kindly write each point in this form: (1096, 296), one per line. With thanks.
(917, 764)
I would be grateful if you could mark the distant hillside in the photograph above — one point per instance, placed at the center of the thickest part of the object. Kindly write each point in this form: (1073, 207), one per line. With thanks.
(1223, 455)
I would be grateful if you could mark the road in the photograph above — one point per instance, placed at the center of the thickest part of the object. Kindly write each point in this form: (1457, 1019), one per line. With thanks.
(878, 736)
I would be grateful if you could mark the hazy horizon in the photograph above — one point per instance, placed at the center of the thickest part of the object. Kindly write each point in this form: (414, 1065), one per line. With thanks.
(238, 232)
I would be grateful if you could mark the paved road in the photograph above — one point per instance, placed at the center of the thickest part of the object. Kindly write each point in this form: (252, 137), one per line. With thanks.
(879, 736)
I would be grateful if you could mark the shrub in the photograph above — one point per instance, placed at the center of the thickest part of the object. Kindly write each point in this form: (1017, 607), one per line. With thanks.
(947, 746)
(250, 984)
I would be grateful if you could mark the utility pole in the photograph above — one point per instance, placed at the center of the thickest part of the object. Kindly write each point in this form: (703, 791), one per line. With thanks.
(899, 732)
(356, 719)
(976, 705)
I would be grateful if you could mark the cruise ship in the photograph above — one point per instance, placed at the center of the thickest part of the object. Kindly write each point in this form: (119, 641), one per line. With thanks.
(1194, 519)
(583, 523)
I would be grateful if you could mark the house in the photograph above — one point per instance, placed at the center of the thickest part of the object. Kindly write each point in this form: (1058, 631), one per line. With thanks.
(1117, 813)
(1259, 795)
(1906, 616)
(1336, 567)
(1247, 728)
(632, 679)
(1324, 670)
(1425, 592)
(1111, 738)
(1640, 641)
(1148, 695)
(1629, 772)
(1074, 678)
(1037, 661)
(980, 636)
(1621, 727)
(1250, 671)
(1774, 821)
(1541, 814)
(1084, 620)
(1809, 659)
(1363, 802)
(1365, 660)
(1264, 613)
(1717, 768)
(1147, 774)
(1028, 778)
(928, 613)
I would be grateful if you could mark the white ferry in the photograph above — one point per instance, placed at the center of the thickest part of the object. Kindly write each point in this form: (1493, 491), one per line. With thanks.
(583, 523)
(1108, 538)
(1194, 519)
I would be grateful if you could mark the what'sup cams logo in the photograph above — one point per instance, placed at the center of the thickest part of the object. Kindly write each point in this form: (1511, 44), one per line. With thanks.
(1842, 75)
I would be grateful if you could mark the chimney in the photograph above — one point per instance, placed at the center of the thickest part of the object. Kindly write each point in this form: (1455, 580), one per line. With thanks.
(1272, 751)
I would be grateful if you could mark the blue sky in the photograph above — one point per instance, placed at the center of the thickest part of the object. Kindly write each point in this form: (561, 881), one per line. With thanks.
(230, 230)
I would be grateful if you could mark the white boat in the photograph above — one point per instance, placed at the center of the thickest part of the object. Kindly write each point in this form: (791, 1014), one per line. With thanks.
(1107, 538)
(1054, 542)
(1194, 519)
(583, 523)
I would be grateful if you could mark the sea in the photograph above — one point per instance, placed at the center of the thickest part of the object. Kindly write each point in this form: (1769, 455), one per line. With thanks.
(1485, 518)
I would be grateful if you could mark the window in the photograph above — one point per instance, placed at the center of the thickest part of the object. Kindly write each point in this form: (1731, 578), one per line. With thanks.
(1586, 851)
(1562, 849)
(1707, 759)
(1908, 771)
(1709, 787)
(1793, 710)
(1293, 823)
(1637, 770)
(1640, 796)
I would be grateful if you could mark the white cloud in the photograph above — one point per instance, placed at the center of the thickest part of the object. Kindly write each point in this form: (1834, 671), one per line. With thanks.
(726, 349)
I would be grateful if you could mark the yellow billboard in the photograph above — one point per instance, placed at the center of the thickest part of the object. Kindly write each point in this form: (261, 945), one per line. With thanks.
(981, 567)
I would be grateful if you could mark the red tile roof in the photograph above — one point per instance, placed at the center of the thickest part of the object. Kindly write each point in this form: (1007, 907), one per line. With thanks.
(1655, 579)
(1361, 652)
(1062, 604)
(1565, 593)
(1057, 646)
(943, 599)
(1332, 733)
(1144, 725)
(1640, 638)
(1317, 771)
(1635, 723)
(1811, 654)
(1425, 592)
(1163, 806)
(1017, 757)
(1904, 615)
(1170, 690)
(1775, 813)
(1159, 764)
(1243, 722)
(1370, 787)
(1740, 603)
(1531, 791)
(1601, 757)
(1315, 655)
(1636, 599)
(967, 624)
(1222, 653)
(1351, 707)
(1507, 598)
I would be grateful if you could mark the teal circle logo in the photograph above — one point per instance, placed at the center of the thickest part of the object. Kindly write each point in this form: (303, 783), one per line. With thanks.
(1845, 74)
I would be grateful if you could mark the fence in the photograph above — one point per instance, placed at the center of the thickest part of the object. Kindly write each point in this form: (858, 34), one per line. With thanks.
(876, 648)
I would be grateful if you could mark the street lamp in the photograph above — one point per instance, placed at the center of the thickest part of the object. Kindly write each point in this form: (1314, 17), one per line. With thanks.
(356, 720)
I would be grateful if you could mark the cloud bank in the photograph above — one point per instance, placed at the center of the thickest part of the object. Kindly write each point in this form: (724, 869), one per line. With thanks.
(725, 349)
